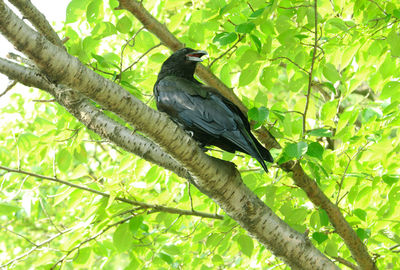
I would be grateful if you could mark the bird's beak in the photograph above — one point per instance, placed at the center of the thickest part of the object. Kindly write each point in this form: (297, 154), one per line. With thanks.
(195, 56)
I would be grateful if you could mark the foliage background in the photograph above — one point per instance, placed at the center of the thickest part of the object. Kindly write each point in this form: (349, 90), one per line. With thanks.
(350, 145)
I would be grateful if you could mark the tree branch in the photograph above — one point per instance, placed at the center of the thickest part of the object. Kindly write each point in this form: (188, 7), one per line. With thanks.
(347, 263)
(90, 239)
(315, 194)
(218, 179)
(227, 51)
(35, 248)
(156, 207)
(95, 119)
(291, 61)
(38, 20)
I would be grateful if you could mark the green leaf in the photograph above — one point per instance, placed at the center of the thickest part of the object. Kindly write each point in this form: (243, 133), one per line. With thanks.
(172, 250)
(83, 255)
(369, 114)
(319, 237)
(331, 248)
(25, 141)
(248, 75)
(394, 195)
(7, 209)
(363, 234)
(165, 257)
(329, 110)
(217, 260)
(245, 27)
(256, 13)
(396, 13)
(330, 72)
(196, 32)
(267, 77)
(338, 24)
(391, 90)
(393, 40)
(225, 38)
(93, 11)
(361, 214)
(246, 244)
(320, 132)
(260, 115)
(256, 42)
(75, 10)
(315, 150)
(64, 160)
(122, 237)
(296, 150)
(248, 58)
(124, 25)
(267, 27)
(323, 217)
(390, 179)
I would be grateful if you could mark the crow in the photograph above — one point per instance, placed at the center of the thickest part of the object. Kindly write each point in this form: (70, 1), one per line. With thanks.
(209, 117)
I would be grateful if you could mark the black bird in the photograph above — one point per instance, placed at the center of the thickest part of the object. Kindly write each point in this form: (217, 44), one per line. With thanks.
(201, 110)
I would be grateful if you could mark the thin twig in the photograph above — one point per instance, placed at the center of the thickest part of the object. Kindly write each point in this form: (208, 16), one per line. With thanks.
(347, 263)
(44, 100)
(47, 215)
(8, 88)
(140, 58)
(252, 9)
(227, 51)
(293, 7)
(20, 235)
(372, 1)
(35, 247)
(155, 207)
(347, 167)
(311, 68)
(291, 61)
(190, 197)
(126, 44)
(90, 239)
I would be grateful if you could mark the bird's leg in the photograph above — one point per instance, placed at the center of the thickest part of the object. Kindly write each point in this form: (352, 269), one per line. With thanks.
(189, 132)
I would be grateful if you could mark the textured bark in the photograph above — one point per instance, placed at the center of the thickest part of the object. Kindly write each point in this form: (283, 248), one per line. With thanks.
(218, 179)
(80, 107)
(343, 228)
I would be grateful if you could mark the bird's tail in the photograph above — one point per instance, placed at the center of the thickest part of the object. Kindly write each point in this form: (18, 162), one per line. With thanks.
(252, 147)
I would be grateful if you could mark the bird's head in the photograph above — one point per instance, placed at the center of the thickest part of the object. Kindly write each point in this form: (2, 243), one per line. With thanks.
(182, 63)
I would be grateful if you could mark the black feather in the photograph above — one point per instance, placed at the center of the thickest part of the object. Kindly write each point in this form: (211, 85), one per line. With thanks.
(211, 118)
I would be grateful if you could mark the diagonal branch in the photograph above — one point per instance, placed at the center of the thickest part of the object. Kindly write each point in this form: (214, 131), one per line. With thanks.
(358, 249)
(35, 248)
(90, 239)
(227, 51)
(158, 208)
(38, 20)
(93, 118)
(218, 179)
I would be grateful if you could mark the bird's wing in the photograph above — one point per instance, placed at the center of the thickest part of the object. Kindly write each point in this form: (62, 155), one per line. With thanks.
(194, 106)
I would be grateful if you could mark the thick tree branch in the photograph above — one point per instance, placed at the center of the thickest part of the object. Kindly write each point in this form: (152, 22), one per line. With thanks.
(38, 20)
(218, 179)
(93, 118)
(158, 208)
(315, 194)
(343, 228)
